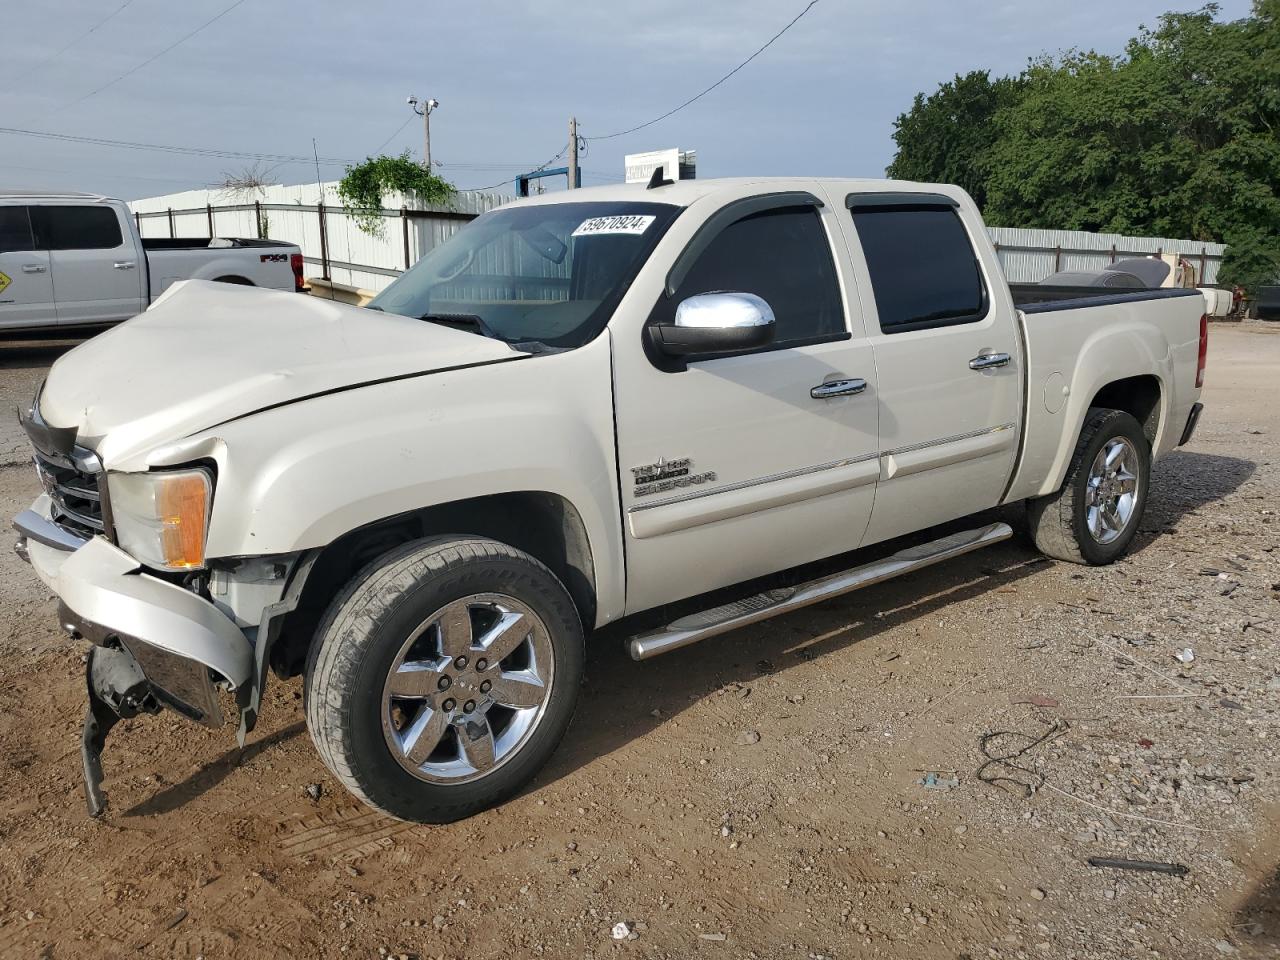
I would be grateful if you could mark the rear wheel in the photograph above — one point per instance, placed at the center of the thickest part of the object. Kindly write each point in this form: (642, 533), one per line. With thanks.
(444, 677)
(1095, 515)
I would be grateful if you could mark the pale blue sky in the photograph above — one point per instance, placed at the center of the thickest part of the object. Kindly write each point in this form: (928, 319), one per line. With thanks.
(272, 74)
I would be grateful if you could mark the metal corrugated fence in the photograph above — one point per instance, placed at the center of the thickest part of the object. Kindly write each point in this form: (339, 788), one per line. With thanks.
(334, 246)
(1028, 256)
(313, 217)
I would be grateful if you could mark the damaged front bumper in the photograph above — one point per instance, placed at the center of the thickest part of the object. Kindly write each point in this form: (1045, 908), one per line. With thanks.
(155, 643)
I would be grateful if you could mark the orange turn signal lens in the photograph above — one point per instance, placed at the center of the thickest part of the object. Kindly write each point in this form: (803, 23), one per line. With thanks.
(161, 517)
(182, 507)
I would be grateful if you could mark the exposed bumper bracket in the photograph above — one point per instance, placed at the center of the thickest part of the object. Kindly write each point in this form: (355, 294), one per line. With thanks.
(117, 690)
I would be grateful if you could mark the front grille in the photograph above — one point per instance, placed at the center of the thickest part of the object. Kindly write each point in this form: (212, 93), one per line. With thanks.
(77, 500)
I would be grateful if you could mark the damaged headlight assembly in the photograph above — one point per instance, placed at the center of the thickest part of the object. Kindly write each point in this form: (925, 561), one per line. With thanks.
(161, 519)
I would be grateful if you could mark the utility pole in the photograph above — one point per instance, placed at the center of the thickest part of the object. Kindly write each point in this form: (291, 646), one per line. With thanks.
(573, 152)
(423, 109)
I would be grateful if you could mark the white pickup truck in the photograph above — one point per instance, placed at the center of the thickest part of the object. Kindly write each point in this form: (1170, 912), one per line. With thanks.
(75, 262)
(583, 407)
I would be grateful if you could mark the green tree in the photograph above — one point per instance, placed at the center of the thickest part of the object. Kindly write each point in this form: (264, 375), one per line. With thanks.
(947, 136)
(1177, 136)
(362, 189)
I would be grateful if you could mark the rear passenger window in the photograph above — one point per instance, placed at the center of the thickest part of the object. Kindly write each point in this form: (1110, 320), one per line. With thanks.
(79, 228)
(15, 230)
(923, 269)
(783, 257)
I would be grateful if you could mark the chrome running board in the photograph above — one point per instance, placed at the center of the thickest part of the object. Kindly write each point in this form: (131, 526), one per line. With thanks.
(771, 603)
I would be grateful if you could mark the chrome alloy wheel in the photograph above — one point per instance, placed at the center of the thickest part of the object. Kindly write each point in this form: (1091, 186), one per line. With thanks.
(467, 689)
(1112, 491)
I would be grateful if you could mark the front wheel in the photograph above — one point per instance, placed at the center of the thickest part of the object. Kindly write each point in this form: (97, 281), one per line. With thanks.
(1095, 515)
(443, 677)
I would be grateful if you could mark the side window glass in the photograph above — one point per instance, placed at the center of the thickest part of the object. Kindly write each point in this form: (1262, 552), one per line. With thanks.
(923, 269)
(782, 256)
(80, 228)
(15, 230)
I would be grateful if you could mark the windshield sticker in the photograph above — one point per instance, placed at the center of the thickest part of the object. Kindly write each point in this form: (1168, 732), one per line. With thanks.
(597, 225)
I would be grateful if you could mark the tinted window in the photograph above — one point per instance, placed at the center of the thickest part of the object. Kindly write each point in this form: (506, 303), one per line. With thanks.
(79, 228)
(922, 266)
(15, 229)
(779, 255)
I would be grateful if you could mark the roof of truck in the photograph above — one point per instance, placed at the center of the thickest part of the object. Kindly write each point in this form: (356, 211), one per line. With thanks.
(684, 192)
(49, 195)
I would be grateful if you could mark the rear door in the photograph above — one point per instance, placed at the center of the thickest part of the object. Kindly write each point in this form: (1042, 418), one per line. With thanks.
(946, 350)
(97, 276)
(26, 281)
(743, 465)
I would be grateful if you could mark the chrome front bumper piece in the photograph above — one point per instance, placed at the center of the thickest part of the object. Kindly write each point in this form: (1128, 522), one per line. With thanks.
(179, 643)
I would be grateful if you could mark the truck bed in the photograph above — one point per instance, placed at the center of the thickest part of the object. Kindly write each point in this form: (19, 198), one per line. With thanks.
(1093, 341)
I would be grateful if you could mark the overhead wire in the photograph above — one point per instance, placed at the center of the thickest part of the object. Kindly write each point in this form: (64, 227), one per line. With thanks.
(699, 96)
(584, 141)
(154, 57)
(56, 54)
(538, 169)
(168, 148)
(384, 143)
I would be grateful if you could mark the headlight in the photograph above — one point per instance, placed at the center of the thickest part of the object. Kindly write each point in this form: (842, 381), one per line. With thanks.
(162, 518)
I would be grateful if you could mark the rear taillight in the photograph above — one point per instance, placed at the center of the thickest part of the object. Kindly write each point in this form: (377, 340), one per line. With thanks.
(295, 263)
(1204, 350)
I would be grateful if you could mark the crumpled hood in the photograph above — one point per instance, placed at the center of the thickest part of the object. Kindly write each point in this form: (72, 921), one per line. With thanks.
(209, 352)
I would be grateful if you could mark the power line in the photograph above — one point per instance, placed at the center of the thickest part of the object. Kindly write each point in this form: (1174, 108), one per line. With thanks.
(221, 154)
(379, 149)
(155, 57)
(536, 169)
(649, 123)
(96, 173)
(57, 54)
(166, 148)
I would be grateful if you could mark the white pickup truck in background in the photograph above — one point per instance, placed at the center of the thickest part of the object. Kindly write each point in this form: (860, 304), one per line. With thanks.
(660, 405)
(76, 262)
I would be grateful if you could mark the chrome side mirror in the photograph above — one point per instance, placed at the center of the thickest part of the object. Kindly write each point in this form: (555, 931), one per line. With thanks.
(710, 324)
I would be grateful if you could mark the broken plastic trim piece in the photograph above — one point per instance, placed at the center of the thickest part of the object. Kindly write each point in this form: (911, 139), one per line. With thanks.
(117, 691)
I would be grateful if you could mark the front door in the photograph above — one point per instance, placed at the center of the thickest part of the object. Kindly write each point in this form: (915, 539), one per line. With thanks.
(743, 465)
(947, 357)
(26, 280)
(97, 276)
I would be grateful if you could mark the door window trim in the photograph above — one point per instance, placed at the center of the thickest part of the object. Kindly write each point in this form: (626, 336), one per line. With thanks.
(704, 236)
(907, 202)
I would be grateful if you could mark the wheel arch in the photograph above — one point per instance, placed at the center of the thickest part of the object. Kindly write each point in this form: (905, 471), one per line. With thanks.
(545, 525)
(1141, 397)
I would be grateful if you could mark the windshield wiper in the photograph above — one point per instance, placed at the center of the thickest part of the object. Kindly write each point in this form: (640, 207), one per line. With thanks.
(466, 321)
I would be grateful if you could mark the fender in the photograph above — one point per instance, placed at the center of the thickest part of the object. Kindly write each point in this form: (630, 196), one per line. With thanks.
(299, 476)
(1068, 363)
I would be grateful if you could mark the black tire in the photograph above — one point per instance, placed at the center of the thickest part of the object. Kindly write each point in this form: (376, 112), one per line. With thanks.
(237, 281)
(1059, 523)
(361, 636)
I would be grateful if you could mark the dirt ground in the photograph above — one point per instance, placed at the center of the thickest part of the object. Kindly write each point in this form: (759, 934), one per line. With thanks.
(758, 795)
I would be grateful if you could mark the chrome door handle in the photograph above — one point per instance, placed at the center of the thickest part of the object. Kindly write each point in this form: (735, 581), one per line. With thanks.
(34, 268)
(838, 388)
(124, 264)
(989, 360)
